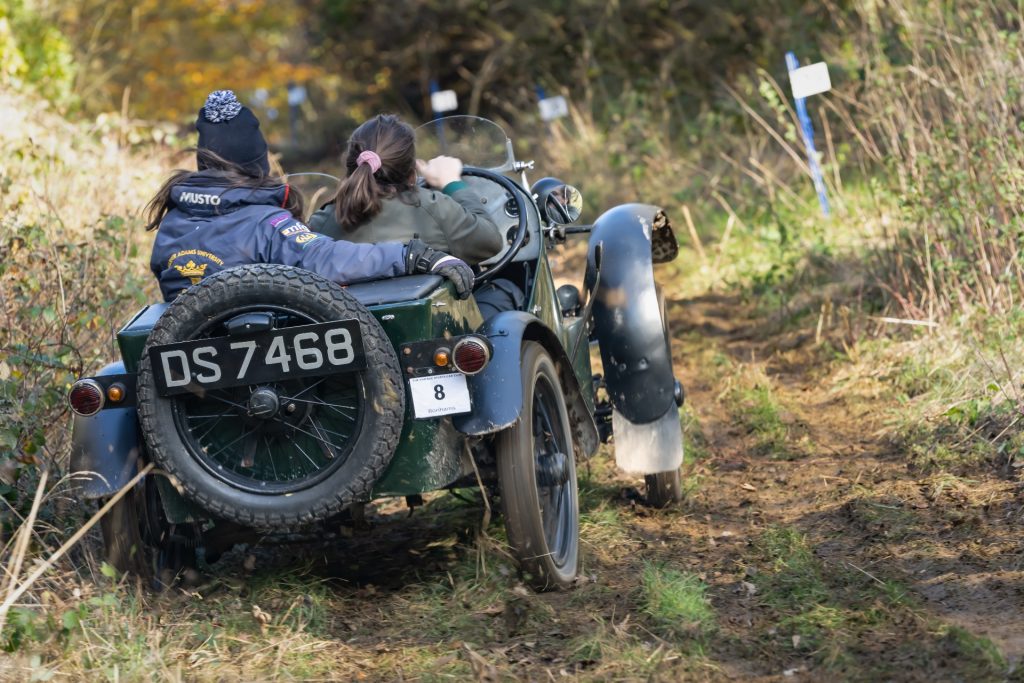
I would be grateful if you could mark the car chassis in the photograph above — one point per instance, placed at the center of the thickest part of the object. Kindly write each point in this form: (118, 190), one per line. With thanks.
(229, 386)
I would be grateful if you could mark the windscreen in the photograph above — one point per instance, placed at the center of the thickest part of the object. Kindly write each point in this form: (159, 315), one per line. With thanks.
(316, 189)
(476, 141)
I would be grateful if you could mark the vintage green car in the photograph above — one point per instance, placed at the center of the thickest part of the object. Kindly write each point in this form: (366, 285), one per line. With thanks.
(270, 400)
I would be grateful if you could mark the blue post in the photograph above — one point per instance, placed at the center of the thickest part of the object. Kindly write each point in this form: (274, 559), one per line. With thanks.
(807, 132)
(437, 115)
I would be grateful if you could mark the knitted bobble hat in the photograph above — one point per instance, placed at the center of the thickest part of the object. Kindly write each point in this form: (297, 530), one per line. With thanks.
(230, 130)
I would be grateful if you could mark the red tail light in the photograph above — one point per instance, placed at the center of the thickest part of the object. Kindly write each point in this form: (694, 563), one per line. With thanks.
(471, 355)
(86, 397)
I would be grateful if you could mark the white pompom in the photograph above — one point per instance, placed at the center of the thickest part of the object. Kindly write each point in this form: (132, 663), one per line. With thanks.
(221, 105)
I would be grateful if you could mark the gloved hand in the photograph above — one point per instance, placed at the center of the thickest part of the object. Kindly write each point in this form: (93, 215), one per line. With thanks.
(419, 258)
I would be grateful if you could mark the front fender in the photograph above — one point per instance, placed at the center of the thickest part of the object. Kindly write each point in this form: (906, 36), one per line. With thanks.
(105, 447)
(497, 392)
(636, 356)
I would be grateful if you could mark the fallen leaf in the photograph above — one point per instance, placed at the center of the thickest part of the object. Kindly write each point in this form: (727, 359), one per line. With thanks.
(748, 487)
(493, 609)
(261, 617)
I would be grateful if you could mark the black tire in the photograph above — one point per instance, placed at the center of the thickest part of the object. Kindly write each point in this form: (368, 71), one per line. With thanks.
(664, 488)
(245, 484)
(137, 539)
(545, 541)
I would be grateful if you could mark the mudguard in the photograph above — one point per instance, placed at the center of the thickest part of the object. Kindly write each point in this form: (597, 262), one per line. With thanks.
(104, 447)
(627, 319)
(497, 392)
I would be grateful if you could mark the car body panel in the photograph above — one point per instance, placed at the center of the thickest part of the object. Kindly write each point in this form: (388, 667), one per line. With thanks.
(429, 453)
(637, 359)
(497, 392)
(105, 447)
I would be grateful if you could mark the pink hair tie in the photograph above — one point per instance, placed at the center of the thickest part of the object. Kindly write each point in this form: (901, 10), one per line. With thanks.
(369, 157)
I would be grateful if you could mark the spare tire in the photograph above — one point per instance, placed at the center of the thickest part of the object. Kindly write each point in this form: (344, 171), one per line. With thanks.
(323, 441)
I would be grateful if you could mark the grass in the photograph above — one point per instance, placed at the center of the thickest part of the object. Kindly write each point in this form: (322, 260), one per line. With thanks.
(836, 614)
(754, 405)
(676, 602)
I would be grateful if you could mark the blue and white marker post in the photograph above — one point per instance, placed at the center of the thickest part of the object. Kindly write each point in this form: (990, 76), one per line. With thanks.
(551, 108)
(442, 101)
(807, 81)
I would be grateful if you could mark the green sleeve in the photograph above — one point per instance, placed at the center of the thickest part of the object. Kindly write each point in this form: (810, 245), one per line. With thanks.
(451, 188)
(468, 228)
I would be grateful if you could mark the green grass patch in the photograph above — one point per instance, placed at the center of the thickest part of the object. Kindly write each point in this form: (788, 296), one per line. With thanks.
(676, 602)
(795, 578)
(981, 653)
(835, 614)
(753, 403)
(695, 442)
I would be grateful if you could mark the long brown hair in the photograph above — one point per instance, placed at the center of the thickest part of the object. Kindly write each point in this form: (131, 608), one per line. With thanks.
(233, 175)
(360, 194)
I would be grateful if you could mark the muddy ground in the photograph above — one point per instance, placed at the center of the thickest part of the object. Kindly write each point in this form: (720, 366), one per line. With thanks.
(821, 554)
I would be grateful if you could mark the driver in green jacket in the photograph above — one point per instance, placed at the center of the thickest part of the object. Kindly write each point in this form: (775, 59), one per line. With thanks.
(379, 200)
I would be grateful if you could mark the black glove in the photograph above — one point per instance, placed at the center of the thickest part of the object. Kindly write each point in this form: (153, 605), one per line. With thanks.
(419, 258)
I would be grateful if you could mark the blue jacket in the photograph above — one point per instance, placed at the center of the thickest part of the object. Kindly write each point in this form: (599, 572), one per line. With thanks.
(212, 226)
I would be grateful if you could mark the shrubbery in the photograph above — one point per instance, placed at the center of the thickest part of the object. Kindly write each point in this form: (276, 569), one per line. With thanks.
(72, 258)
(34, 52)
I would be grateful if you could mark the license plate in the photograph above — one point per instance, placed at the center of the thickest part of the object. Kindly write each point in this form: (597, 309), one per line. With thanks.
(439, 395)
(271, 356)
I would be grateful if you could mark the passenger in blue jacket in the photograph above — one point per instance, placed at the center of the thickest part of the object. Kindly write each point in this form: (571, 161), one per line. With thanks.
(233, 212)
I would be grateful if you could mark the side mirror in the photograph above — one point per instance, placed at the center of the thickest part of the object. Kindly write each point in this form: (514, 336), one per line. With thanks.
(559, 203)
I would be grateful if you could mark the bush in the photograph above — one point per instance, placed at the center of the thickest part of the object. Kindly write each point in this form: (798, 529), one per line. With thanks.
(34, 52)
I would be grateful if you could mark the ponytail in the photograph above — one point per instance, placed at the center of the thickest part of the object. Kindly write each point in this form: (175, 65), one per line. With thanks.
(358, 198)
(360, 195)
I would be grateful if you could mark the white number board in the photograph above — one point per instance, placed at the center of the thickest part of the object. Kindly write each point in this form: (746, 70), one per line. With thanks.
(552, 108)
(810, 80)
(439, 395)
(444, 100)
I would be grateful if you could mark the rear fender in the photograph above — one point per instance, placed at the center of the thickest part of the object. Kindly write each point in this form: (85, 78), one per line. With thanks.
(627, 319)
(497, 392)
(105, 447)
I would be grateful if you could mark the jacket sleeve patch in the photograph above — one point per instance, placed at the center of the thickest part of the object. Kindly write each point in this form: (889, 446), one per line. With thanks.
(279, 219)
(294, 229)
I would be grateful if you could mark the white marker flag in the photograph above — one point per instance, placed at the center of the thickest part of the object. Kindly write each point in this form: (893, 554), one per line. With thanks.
(443, 100)
(810, 80)
(552, 108)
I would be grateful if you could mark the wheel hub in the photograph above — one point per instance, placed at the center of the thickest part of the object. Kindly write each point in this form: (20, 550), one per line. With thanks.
(552, 469)
(264, 403)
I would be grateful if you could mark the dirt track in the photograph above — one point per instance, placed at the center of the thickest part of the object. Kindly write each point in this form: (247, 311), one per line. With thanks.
(953, 544)
(825, 557)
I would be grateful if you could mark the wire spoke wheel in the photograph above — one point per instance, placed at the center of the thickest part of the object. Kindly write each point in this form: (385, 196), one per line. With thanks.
(537, 478)
(283, 452)
(271, 438)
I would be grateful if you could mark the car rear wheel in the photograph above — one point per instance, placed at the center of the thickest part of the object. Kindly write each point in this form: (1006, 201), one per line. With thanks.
(279, 453)
(537, 478)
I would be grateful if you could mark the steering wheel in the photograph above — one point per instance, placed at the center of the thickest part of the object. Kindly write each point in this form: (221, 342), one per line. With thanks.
(524, 220)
